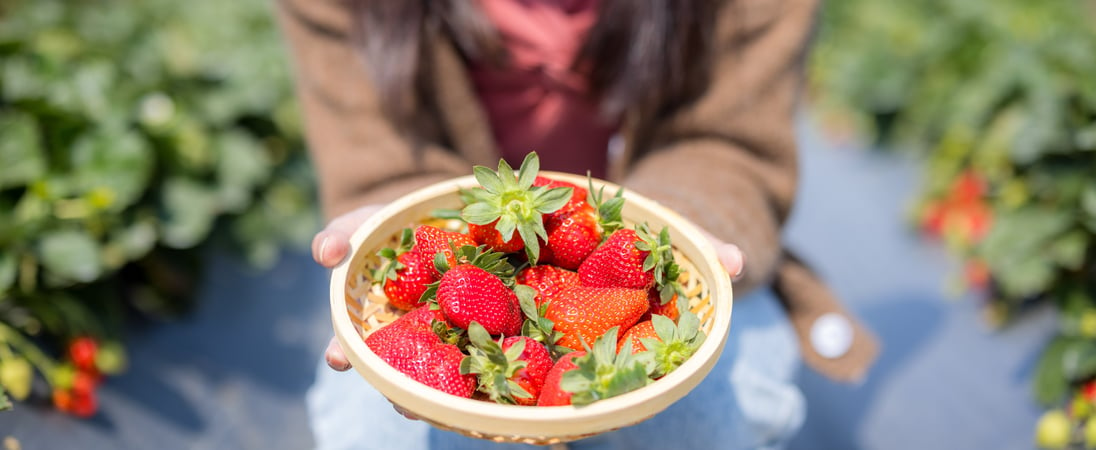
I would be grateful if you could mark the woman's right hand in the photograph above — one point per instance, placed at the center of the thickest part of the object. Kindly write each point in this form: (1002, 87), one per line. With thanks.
(329, 248)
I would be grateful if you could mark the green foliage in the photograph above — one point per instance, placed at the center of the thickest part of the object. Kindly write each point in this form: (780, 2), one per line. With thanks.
(1001, 92)
(135, 132)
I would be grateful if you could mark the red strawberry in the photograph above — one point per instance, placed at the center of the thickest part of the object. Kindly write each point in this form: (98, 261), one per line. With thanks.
(668, 309)
(82, 351)
(415, 271)
(437, 366)
(617, 263)
(430, 240)
(572, 237)
(584, 313)
(468, 293)
(421, 355)
(422, 318)
(512, 372)
(550, 392)
(633, 259)
(488, 235)
(548, 281)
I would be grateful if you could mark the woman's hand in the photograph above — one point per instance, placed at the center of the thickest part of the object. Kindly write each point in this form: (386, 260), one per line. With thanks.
(329, 248)
(729, 254)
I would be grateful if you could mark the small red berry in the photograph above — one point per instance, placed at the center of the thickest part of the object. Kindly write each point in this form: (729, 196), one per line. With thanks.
(82, 350)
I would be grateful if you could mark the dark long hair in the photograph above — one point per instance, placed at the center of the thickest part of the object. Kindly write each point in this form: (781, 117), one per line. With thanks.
(646, 56)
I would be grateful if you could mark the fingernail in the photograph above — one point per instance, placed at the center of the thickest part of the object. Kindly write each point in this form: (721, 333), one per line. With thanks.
(323, 247)
(738, 275)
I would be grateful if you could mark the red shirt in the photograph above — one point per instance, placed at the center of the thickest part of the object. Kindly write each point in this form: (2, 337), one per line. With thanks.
(537, 103)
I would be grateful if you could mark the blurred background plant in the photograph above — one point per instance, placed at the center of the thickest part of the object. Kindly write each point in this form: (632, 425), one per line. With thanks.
(999, 100)
(133, 135)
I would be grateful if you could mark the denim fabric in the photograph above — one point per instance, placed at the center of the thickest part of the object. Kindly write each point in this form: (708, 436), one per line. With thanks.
(748, 401)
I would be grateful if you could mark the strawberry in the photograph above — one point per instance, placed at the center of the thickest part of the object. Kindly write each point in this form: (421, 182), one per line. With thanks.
(583, 313)
(430, 240)
(489, 235)
(666, 345)
(668, 308)
(510, 372)
(82, 351)
(404, 289)
(548, 281)
(510, 203)
(572, 237)
(633, 259)
(576, 229)
(468, 293)
(437, 366)
(406, 274)
(550, 393)
(603, 373)
(420, 354)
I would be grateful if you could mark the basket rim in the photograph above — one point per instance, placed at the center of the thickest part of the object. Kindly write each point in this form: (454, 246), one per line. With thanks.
(415, 397)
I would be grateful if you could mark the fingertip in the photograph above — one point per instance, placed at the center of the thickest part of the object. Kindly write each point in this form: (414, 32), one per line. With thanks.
(329, 248)
(733, 260)
(335, 357)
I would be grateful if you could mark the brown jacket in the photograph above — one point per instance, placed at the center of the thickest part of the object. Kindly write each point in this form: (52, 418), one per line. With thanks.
(726, 161)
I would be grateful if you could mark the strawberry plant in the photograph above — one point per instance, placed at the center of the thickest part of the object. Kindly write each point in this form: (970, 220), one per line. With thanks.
(531, 330)
(135, 134)
(999, 99)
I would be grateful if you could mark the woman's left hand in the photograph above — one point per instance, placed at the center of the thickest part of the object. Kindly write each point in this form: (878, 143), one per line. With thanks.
(729, 254)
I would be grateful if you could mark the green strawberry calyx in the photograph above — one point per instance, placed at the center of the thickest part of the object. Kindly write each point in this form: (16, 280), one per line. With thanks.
(608, 209)
(603, 373)
(660, 259)
(512, 203)
(493, 367)
(675, 343)
(536, 326)
(387, 271)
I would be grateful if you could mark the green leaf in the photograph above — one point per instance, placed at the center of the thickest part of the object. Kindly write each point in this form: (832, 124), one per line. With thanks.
(1079, 360)
(551, 200)
(21, 155)
(1069, 250)
(1050, 383)
(8, 266)
(243, 166)
(114, 164)
(71, 255)
(189, 209)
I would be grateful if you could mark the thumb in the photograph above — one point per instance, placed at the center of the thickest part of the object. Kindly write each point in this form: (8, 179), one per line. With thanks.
(331, 245)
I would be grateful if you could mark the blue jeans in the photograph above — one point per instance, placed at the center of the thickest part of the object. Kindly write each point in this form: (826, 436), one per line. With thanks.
(748, 401)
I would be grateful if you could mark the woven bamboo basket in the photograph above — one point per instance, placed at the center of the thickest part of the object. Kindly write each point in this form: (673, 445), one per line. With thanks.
(358, 308)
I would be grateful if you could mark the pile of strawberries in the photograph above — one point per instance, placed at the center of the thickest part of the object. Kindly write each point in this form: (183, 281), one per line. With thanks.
(547, 299)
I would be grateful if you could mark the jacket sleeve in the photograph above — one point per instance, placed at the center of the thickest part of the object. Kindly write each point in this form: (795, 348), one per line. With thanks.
(728, 160)
(359, 156)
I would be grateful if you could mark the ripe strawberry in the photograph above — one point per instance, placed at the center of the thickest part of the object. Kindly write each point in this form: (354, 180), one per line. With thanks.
(668, 309)
(633, 259)
(469, 293)
(82, 351)
(414, 273)
(583, 313)
(510, 373)
(421, 355)
(512, 204)
(437, 366)
(548, 281)
(489, 235)
(644, 329)
(572, 237)
(666, 345)
(430, 240)
(84, 404)
(550, 393)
